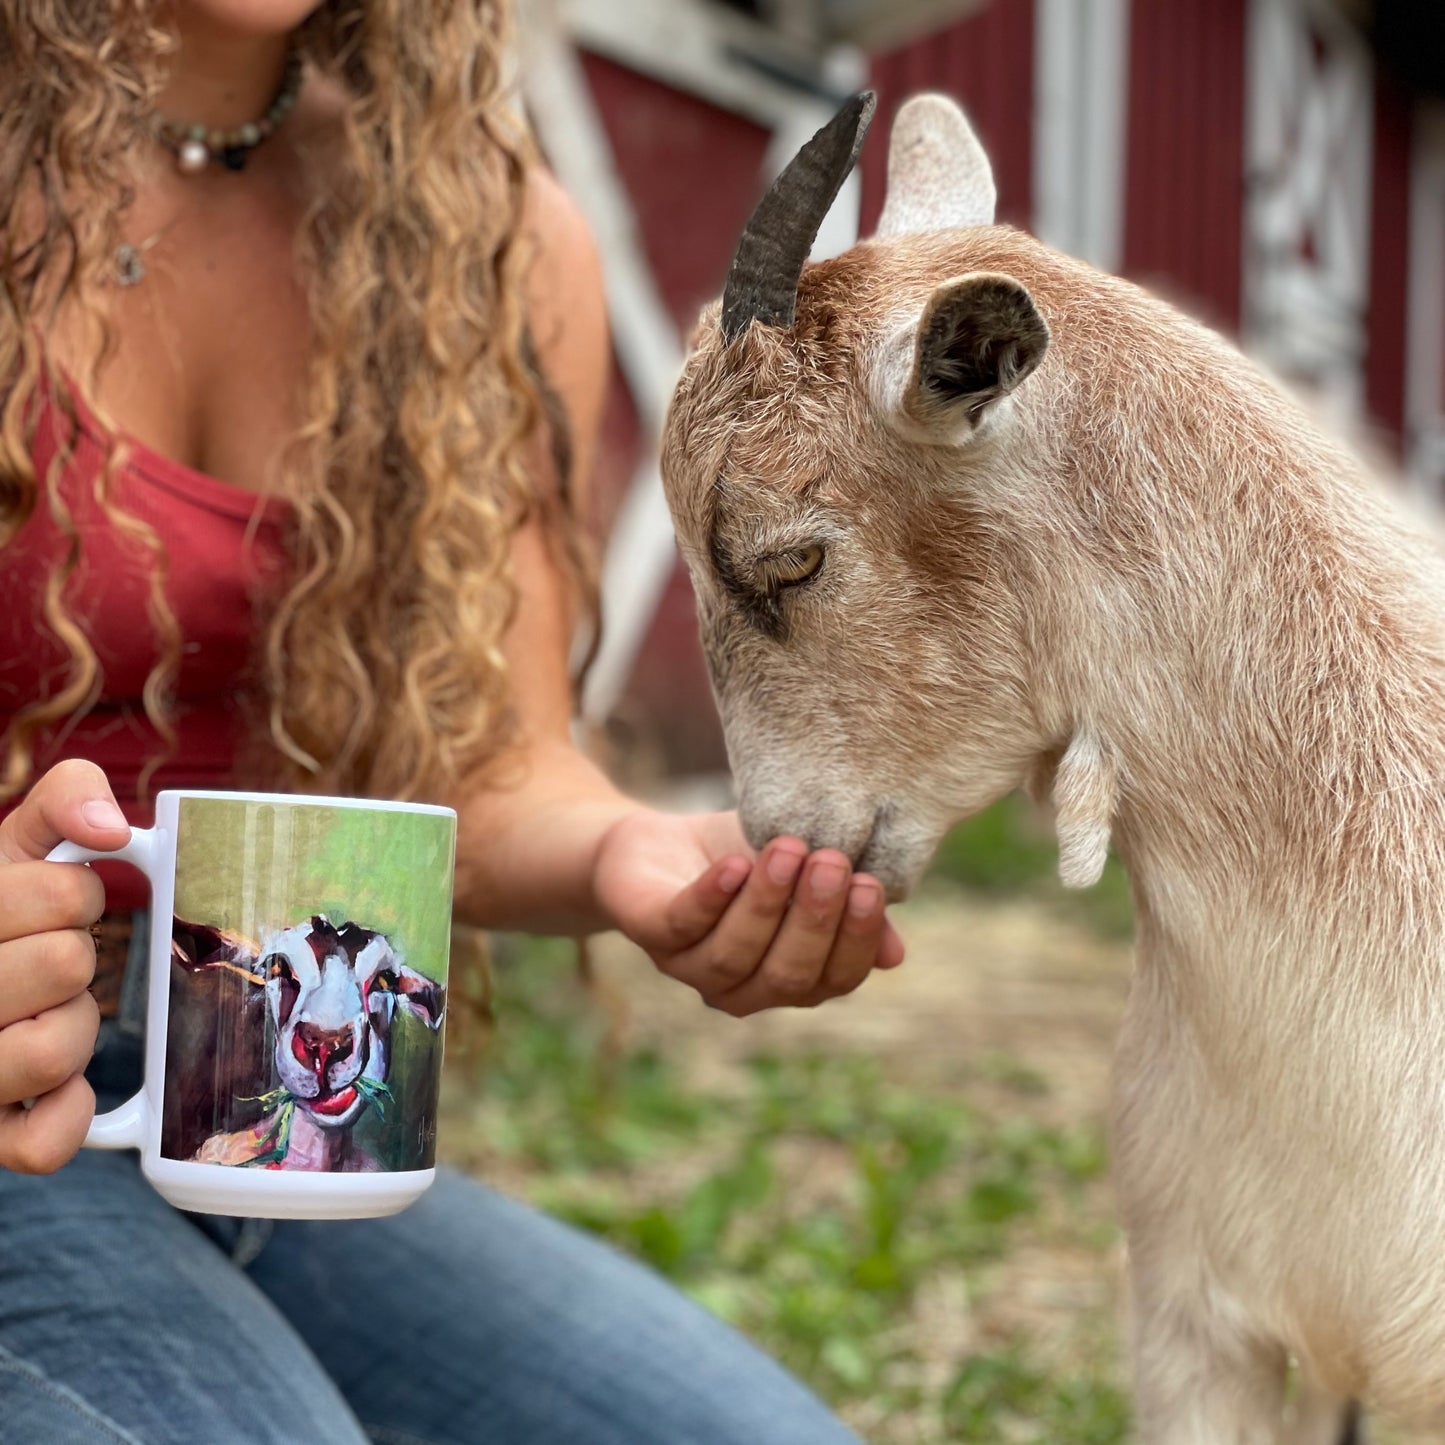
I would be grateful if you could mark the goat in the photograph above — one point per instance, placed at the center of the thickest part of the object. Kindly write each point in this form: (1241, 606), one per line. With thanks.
(963, 514)
(331, 995)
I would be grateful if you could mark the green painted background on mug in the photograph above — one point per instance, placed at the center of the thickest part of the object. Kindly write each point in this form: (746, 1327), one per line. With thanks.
(260, 867)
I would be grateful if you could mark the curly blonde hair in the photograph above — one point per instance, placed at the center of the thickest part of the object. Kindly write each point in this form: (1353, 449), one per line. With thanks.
(382, 664)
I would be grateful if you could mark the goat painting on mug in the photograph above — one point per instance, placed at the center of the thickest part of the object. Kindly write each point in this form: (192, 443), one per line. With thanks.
(309, 956)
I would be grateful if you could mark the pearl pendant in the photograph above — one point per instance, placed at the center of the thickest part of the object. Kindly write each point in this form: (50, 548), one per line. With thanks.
(192, 156)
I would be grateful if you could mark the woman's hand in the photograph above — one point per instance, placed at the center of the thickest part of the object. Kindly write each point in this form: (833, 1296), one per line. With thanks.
(48, 1021)
(746, 933)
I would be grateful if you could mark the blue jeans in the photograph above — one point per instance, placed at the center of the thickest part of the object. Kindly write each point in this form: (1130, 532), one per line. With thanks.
(467, 1318)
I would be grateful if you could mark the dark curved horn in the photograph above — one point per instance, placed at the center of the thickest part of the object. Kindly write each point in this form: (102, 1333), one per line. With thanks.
(762, 282)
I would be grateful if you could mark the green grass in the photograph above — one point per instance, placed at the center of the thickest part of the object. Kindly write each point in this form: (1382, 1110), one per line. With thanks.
(814, 1202)
(1004, 1395)
(1010, 849)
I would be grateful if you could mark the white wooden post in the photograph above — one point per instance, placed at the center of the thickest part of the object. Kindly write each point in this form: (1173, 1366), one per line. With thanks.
(1309, 167)
(1081, 89)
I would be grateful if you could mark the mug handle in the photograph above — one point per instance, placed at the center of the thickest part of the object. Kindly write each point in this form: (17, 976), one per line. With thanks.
(123, 1127)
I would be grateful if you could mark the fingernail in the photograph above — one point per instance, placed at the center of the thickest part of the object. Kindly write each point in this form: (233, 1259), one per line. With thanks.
(783, 865)
(103, 815)
(828, 879)
(862, 900)
(733, 876)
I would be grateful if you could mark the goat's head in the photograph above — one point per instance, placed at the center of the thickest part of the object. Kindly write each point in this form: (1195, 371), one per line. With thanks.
(840, 458)
(332, 994)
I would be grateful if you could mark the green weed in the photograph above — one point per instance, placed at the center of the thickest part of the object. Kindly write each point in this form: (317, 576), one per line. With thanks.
(1010, 849)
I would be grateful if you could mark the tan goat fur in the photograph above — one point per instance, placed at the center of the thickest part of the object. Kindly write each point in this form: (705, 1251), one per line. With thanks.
(1145, 581)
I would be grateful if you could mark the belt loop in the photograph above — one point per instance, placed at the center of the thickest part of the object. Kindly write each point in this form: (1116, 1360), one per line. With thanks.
(131, 1019)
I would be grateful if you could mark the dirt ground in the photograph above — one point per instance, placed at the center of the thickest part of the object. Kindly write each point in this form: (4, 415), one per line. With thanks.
(981, 979)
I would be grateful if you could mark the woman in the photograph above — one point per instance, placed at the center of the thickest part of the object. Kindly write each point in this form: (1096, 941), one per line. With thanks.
(295, 346)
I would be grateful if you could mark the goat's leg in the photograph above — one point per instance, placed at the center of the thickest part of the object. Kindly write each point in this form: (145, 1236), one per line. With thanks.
(1198, 1380)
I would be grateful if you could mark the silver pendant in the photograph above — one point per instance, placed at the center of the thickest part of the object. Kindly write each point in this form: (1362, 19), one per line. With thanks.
(130, 267)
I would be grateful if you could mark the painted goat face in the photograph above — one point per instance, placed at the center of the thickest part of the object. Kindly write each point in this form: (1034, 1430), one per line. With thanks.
(332, 994)
(830, 458)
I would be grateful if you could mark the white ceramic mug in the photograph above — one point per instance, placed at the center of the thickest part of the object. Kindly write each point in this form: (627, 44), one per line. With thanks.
(297, 987)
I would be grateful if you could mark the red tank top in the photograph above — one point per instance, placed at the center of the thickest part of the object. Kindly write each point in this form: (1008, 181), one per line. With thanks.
(225, 555)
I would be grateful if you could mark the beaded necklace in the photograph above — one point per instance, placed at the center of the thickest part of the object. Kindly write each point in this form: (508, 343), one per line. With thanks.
(196, 146)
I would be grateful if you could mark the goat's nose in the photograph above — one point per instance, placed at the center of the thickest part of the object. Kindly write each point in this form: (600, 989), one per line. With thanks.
(318, 1048)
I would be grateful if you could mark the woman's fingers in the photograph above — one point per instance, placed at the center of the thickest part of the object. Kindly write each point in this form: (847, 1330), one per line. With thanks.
(788, 929)
(40, 1139)
(697, 910)
(793, 966)
(39, 897)
(856, 948)
(732, 951)
(41, 1053)
(891, 950)
(73, 800)
(826, 947)
(42, 971)
(48, 1021)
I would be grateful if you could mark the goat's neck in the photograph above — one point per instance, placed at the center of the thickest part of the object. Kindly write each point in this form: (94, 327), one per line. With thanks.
(1280, 738)
(312, 1147)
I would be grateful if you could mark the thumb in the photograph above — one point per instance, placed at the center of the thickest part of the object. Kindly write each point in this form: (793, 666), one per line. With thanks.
(72, 801)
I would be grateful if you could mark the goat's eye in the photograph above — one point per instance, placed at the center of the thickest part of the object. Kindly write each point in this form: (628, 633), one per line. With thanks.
(383, 982)
(789, 569)
(279, 968)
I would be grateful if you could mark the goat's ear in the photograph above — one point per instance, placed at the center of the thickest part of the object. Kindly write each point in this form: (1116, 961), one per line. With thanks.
(979, 336)
(419, 995)
(199, 946)
(938, 174)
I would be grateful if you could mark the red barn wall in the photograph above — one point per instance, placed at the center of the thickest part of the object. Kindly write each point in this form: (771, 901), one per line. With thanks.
(1389, 261)
(1184, 153)
(986, 63)
(691, 172)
